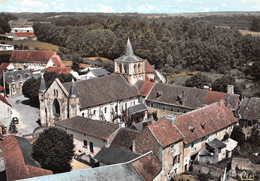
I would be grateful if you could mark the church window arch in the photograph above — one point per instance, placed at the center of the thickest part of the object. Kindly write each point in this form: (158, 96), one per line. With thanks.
(120, 68)
(139, 67)
(105, 109)
(56, 108)
(135, 68)
(125, 68)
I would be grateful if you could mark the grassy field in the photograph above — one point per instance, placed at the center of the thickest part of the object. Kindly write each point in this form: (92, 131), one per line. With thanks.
(247, 32)
(33, 45)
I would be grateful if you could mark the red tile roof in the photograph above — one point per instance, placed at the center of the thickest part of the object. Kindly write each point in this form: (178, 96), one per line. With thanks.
(148, 167)
(57, 61)
(3, 67)
(3, 99)
(25, 34)
(31, 56)
(214, 96)
(213, 118)
(148, 67)
(165, 133)
(59, 70)
(14, 161)
(147, 87)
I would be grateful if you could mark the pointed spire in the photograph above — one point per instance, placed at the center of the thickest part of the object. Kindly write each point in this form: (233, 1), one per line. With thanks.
(73, 90)
(42, 88)
(129, 50)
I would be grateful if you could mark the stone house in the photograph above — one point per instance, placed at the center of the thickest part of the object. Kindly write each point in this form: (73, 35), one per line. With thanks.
(168, 99)
(201, 126)
(31, 60)
(105, 98)
(89, 135)
(14, 80)
(166, 142)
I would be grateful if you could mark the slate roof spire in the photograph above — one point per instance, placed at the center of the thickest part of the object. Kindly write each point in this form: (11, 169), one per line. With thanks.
(73, 90)
(129, 50)
(42, 88)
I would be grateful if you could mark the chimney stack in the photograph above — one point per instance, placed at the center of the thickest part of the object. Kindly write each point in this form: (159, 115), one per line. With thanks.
(230, 89)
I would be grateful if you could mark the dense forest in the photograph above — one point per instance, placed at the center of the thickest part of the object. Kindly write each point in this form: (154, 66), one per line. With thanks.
(172, 44)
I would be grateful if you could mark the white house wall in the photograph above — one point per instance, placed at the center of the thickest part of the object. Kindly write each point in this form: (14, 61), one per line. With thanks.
(6, 113)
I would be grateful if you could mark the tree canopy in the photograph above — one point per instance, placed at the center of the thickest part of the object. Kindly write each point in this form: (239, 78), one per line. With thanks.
(54, 150)
(198, 80)
(31, 86)
(221, 84)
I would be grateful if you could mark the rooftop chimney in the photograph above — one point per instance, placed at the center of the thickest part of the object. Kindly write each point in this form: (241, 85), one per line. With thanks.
(230, 89)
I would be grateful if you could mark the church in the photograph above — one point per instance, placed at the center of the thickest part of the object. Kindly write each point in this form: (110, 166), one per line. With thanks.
(106, 98)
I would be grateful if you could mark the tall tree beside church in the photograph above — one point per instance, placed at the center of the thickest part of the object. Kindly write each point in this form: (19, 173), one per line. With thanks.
(54, 150)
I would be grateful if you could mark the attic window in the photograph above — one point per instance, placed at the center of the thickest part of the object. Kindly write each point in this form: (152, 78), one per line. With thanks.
(158, 94)
(192, 129)
(202, 125)
(19, 75)
(27, 75)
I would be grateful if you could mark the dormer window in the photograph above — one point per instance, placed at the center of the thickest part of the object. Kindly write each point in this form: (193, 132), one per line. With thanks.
(19, 76)
(158, 94)
(192, 129)
(202, 125)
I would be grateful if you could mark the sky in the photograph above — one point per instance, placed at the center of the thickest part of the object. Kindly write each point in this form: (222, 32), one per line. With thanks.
(121, 6)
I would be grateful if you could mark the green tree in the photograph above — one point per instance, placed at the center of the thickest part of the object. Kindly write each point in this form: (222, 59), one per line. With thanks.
(221, 84)
(255, 25)
(238, 135)
(54, 150)
(198, 80)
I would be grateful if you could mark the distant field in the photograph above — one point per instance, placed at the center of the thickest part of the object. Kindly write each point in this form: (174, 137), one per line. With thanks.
(247, 32)
(101, 58)
(34, 45)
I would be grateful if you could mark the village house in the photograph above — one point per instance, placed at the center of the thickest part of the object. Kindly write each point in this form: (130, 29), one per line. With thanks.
(24, 36)
(33, 60)
(249, 114)
(106, 98)
(166, 142)
(165, 99)
(14, 80)
(22, 30)
(92, 72)
(177, 141)
(89, 135)
(17, 161)
(215, 121)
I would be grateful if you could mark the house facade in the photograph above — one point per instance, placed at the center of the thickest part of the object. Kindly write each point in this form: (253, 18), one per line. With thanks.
(165, 141)
(5, 47)
(6, 110)
(105, 98)
(89, 135)
(31, 60)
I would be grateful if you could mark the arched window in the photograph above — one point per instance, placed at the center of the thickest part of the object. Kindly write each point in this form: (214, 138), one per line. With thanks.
(57, 93)
(56, 108)
(105, 109)
(83, 114)
(120, 68)
(125, 68)
(94, 112)
(135, 68)
(139, 67)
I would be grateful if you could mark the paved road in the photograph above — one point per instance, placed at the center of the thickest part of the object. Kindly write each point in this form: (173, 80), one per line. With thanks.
(26, 114)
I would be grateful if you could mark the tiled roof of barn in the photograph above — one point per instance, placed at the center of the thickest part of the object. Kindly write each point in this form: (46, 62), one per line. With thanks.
(124, 138)
(57, 61)
(148, 167)
(193, 97)
(15, 165)
(114, 155)
(165, 133)
(93, 92)
(205, 121)
(129, 54)
(59, 70)
(25, 34)
(148, 67)
(250, 108)
(31, 56)
(95, 128)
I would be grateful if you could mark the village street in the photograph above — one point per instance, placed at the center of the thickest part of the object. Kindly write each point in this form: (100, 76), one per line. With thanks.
(26, 114)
